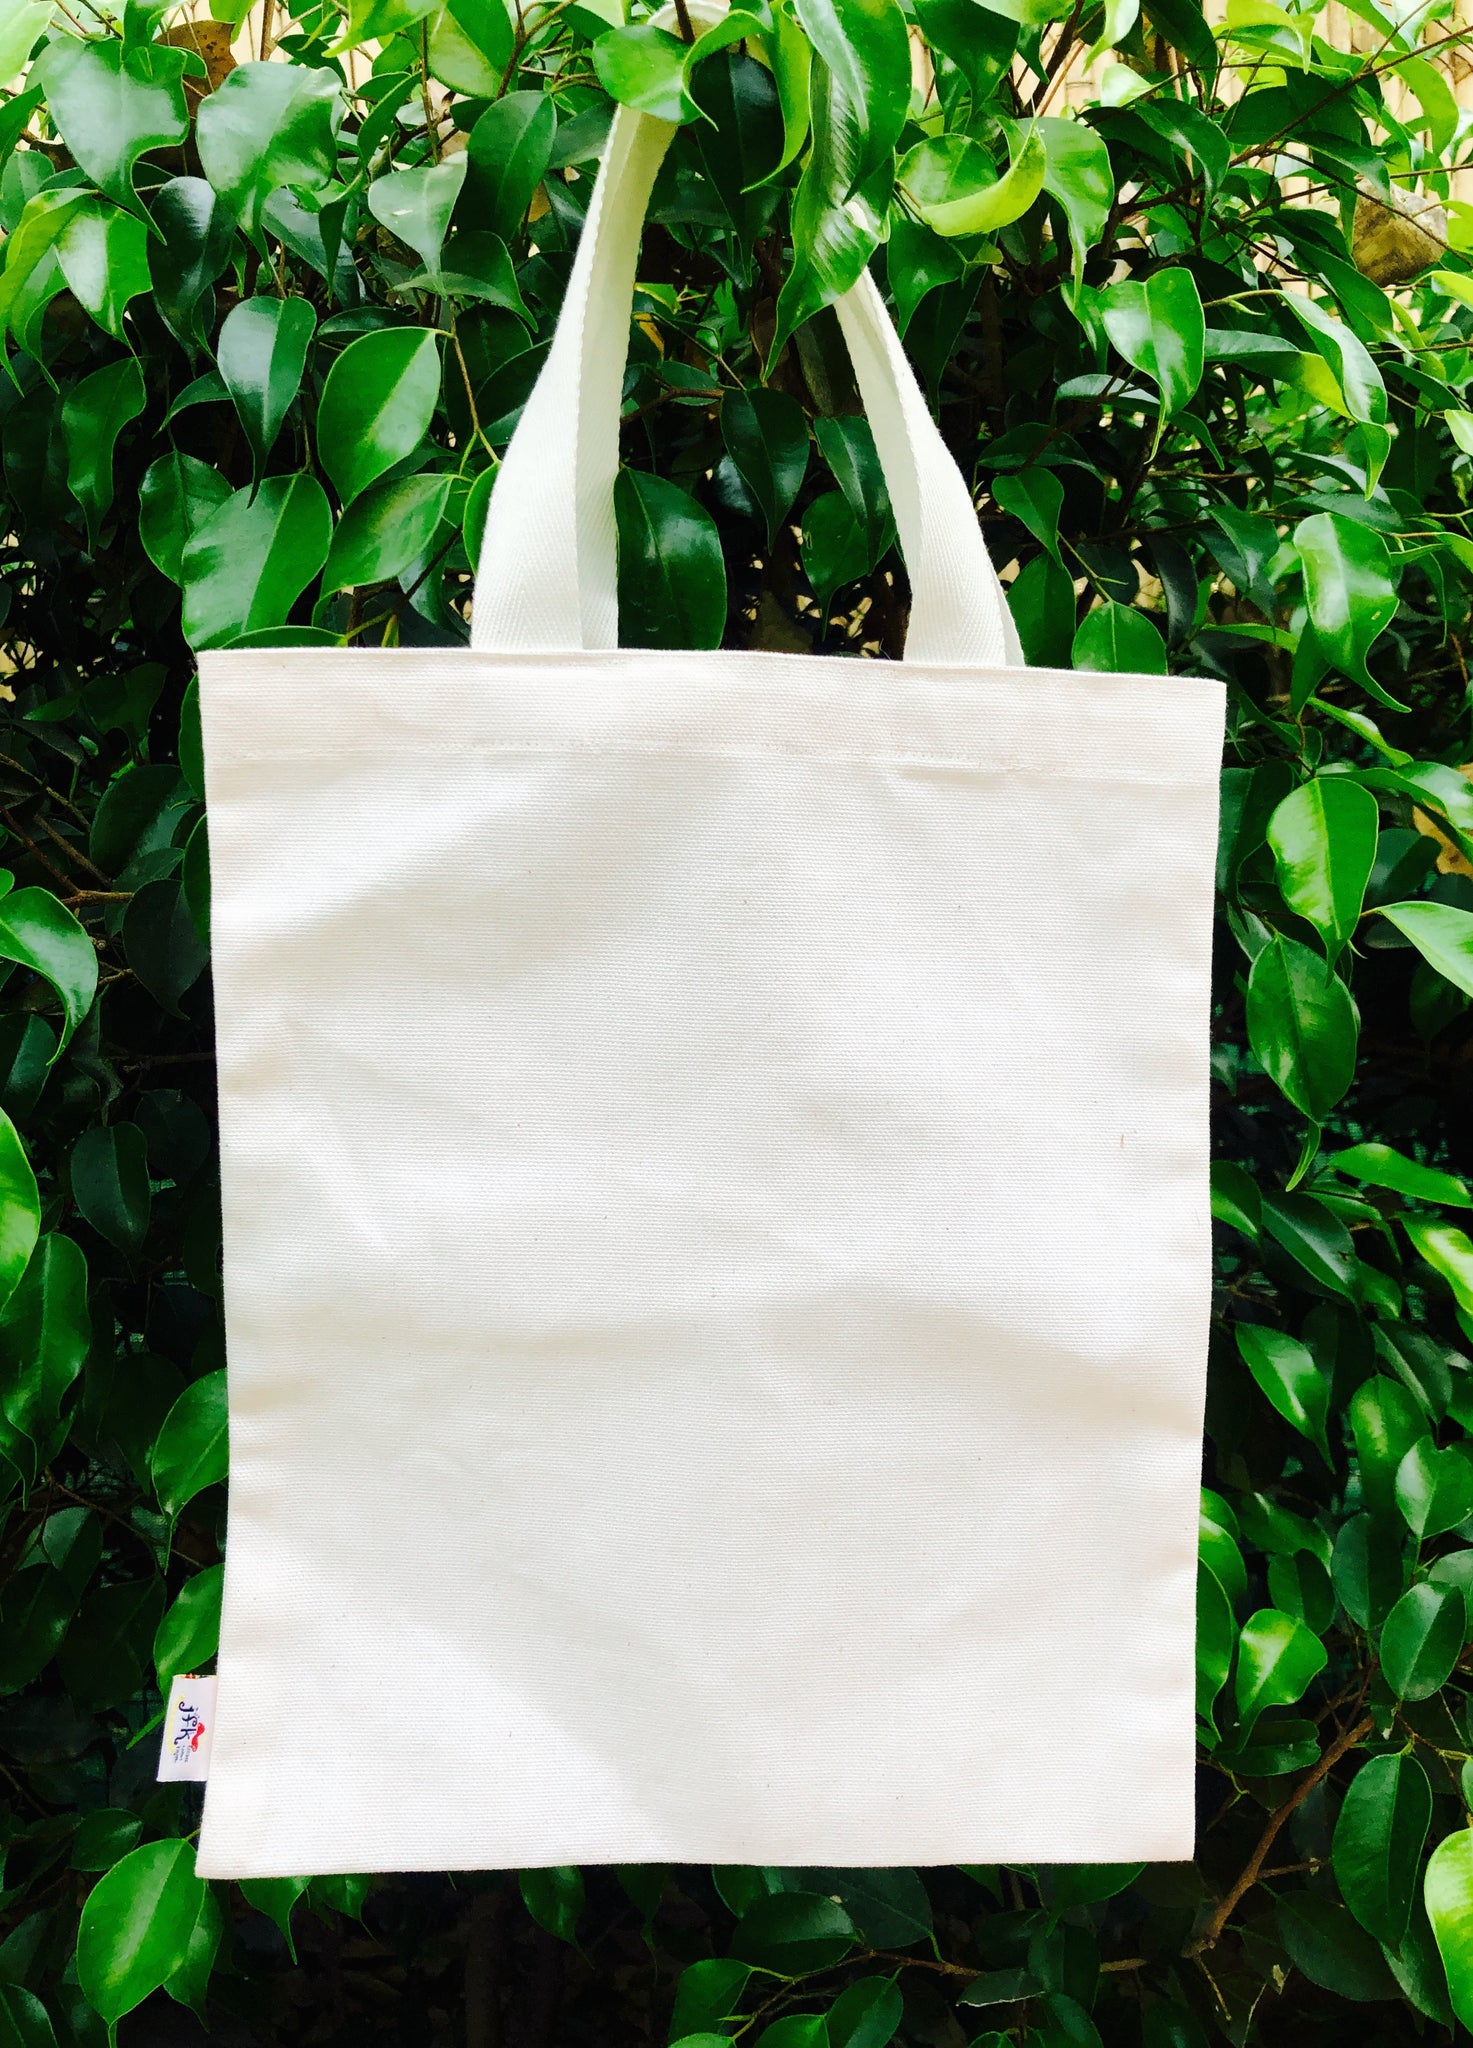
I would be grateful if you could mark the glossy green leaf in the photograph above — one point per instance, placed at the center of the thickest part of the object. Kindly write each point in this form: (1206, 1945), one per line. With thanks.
(644, 67)
(1118, 637)
(838, 218)
(866, 2014)
(385, 529)
(793, 1933)
(136, 1926)
(189, 1634)
(1448, 1892)
(508, 154)
(1386, 1422)
(1382, 1166)
(376, 405)
(1077, 174)
(109, 1182)
(470, 46)
(246, 564)
(1159, 327)
(191, 1452)
(708, 1993)
(835, 547)
(262, 352)
(1434, 1489)
(1421, 1640)
(1036, 497)
(1303, 1025)
(276, 1897)
(554, 1898)
(163, 943)
(1324, 837)
(40, 933)
(1287, 1373)
(45, 1331)
(178, 494)
(188, 251)
(112, 101)
(766, 435)
(1350, 590)
(953, 185)
(1442, 934)
(269, 127)
(94, 413)
(20, 1209)
(1041, 600)
(416, 206)
(1382, 1824)
(1278, 1657)
(1449, 1251)
(1217, 1635)
(672, 579)
(103, 253)
(865, 50)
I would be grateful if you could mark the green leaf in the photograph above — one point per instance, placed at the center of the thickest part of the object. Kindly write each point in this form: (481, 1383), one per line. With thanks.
(94, 413)
(189, 1634)
(1448, 1892)
(1441, 933)
(39, 932)
(1434, 1489)
(275, 1897)
(1041, 599)
(103, 1838)
(793, 1933)
(248, 562)
(1217, 1634)
(1330, 1948)
(1386, 1422)
(507, 156)
(262, 352)
(1159, 327)
(136, 1926)
(1302, 1025)
(766, 436)
(267, 127)
(178, 494)
(977, 40)
(1036, 497)
(1118, 637)
(865, 49)
(891, 1908)
(1350, 591)
(20, 1209)
(112, 101)
(188, 251)
(1277, 1659)
(672, 578)
(1382, 1166)
(1377, 1852)
(1077, 173)
(417, 205)
(109, 1180)
(1287, 1373)
(103, 253)
(708, 1993)
(470, 46)
(377, 20)
(1324, 837)
(163, 943)
(835, 547)
(1422, 1639)
(866, 2014)
(644, 67)
(836, 221)
(951, 182)
(376, 406)
(384, 530)
(1449, 1251)
(554, 1898)
(22, 24)
(191, 1452)
(45, 1332)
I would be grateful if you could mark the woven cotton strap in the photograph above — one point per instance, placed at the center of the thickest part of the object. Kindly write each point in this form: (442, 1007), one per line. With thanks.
(548, 569)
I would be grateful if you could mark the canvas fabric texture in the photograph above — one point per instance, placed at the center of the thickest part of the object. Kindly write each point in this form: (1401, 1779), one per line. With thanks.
(715, 1179)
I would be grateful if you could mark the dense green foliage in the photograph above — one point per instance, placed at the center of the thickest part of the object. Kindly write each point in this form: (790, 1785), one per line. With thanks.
(1204, 347)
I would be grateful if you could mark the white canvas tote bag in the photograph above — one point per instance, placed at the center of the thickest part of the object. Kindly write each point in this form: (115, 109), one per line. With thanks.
(716, 1210)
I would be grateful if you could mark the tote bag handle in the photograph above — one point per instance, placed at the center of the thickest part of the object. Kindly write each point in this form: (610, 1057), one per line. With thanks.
(548, 571)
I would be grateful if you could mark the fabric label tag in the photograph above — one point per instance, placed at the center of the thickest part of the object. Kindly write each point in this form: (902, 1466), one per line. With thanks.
(189, 1724)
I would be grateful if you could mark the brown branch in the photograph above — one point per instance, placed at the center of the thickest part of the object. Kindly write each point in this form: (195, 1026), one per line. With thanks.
(1253, 1869)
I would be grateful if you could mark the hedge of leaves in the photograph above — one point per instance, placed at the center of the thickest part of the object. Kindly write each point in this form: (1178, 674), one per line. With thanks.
(1203, 344)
